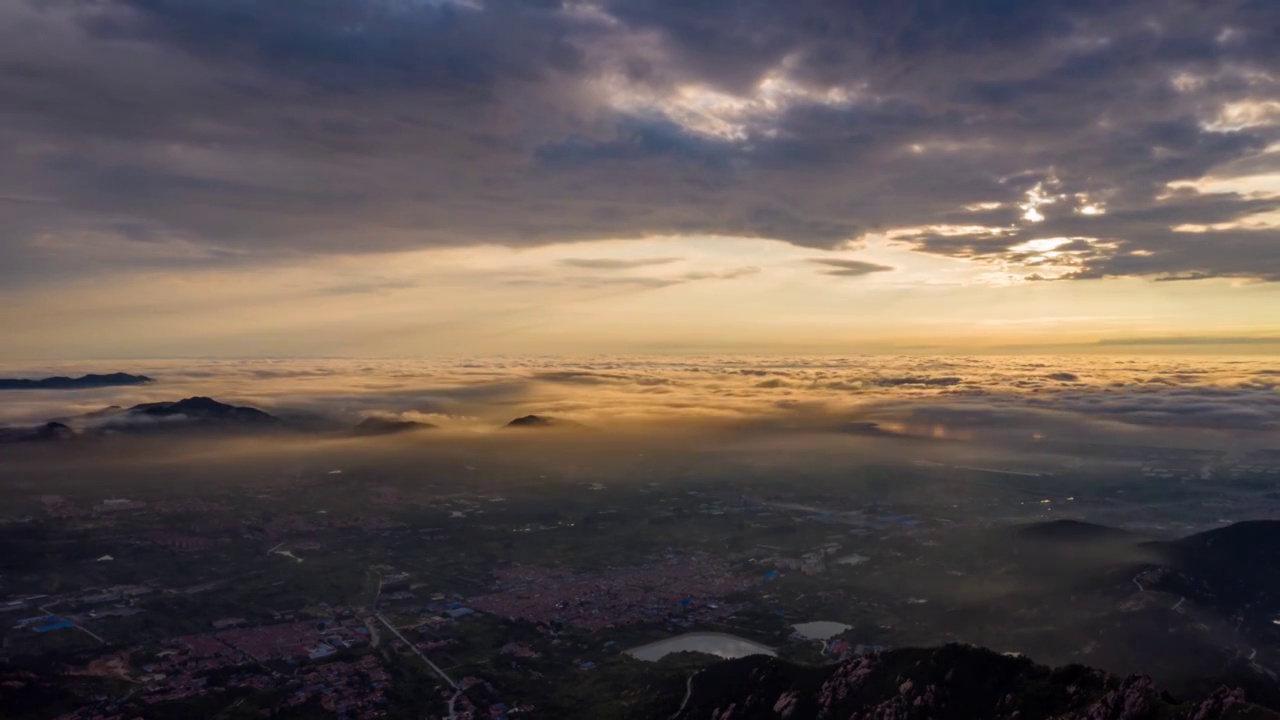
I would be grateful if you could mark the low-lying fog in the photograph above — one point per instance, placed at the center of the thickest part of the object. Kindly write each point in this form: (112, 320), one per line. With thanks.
(1220, 402)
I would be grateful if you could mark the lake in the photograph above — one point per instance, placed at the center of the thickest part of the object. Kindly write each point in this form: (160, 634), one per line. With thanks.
(719, 644)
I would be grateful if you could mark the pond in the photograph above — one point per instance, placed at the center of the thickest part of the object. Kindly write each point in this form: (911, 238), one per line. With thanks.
(854, 559)
(719, 644)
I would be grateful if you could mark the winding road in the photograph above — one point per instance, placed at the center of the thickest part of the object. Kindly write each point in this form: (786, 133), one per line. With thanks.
(688, 693)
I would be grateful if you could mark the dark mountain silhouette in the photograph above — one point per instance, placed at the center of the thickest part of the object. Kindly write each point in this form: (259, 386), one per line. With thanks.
(70, 383)
(1067, 530)
(386, 426)
(950, 683)
(190, 413)
(53, 431)
(49, 432)
(202, 408)
(542, 421)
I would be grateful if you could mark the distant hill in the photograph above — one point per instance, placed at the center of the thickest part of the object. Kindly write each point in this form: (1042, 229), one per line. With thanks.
(49, 432)
(950, 683)
(76, 383)
(1067, 530)
(1229, 569)
(1247, 541)
(189, 413)
(542, 421)
(384, 426)
(192, 414)
(201, 408)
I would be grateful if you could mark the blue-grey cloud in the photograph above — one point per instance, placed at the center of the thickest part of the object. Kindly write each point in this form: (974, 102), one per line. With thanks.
(253, 129)
(850, 268)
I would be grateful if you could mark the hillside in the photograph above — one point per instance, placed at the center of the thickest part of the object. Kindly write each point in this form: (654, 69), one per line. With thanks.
(385, 426)
(1224, 569)
(949, 683)
(1068, 530)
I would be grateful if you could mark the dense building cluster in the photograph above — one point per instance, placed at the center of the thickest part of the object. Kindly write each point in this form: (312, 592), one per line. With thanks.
(182, 670)
(682, 586)
(354, 690)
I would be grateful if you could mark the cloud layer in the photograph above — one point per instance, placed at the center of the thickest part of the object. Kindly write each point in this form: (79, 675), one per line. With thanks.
(1161, 402)
(1081, 139)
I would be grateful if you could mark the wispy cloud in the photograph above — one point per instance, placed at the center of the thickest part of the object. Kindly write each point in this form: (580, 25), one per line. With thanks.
(850, 268)
(617, 264)
(733, 274)
(367, 286)
(1194, 340)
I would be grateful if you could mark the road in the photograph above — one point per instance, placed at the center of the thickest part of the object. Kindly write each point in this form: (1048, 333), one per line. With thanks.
(377, 596)
(443, 675)
(688, 693)
(45, 609)
(453, 714)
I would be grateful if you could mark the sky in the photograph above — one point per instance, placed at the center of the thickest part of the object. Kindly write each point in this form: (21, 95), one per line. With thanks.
(420, 178)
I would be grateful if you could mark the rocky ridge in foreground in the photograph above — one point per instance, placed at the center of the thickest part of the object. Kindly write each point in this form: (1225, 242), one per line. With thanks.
(955, 682)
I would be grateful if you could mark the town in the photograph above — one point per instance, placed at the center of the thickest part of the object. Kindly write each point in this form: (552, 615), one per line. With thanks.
(351, 592)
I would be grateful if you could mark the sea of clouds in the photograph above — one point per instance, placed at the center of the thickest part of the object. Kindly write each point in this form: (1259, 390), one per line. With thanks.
(1077, 397)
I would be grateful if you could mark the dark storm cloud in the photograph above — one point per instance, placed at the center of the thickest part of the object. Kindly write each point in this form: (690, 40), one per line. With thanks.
(259, 130)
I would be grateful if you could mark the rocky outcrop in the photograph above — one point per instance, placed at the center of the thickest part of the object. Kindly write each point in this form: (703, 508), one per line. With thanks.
(949, 683)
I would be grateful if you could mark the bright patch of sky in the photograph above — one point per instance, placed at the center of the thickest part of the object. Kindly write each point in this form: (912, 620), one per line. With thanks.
(707, 111)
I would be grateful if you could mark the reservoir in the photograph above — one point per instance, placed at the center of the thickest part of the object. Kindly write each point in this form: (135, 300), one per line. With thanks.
(820, 630)
(719, 644)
